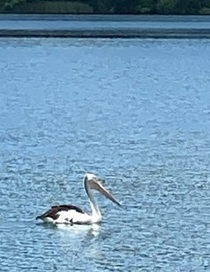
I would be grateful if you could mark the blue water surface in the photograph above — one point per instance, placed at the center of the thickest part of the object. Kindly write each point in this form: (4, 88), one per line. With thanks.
(134, 112)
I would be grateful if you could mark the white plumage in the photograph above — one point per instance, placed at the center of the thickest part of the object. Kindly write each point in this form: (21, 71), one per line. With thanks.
(70, 214)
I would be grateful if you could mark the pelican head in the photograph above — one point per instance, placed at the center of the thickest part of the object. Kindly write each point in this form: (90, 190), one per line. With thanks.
(95, 184)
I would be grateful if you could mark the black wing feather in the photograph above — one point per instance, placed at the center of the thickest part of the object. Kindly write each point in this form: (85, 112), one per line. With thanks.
(53, 212)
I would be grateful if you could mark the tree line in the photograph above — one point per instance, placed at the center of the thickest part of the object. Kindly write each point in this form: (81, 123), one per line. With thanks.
(107, 6)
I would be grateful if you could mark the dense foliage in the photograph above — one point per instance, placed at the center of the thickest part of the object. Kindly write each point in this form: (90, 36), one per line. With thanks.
(107, 6)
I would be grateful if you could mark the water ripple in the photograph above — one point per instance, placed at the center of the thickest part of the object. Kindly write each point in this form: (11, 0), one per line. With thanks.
(134, 112)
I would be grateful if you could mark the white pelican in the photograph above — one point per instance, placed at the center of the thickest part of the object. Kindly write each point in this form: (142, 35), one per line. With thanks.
(69, 214)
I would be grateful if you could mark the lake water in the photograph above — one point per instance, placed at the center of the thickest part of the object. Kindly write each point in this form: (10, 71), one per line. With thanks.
(136, 113)
(98, 22)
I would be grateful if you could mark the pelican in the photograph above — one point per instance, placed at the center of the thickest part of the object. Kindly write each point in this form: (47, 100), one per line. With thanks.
(70, 214)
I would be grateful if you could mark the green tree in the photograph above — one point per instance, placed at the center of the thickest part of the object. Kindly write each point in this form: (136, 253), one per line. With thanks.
(105, 6)
(188, 6)
(125, 6)
(167, 6)
(205, 7)
(205, 3)
(9, 4)
(147, 6)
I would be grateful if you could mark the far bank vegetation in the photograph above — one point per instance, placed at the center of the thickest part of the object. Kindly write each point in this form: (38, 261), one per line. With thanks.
(178, 7)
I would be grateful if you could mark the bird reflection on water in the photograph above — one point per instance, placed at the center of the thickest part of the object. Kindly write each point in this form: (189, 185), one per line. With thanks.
(87, 230)
(80, 230)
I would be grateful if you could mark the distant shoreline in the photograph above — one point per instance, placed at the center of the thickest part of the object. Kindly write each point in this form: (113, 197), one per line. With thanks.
(97, 26)
(192, 7)
(106, 17)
